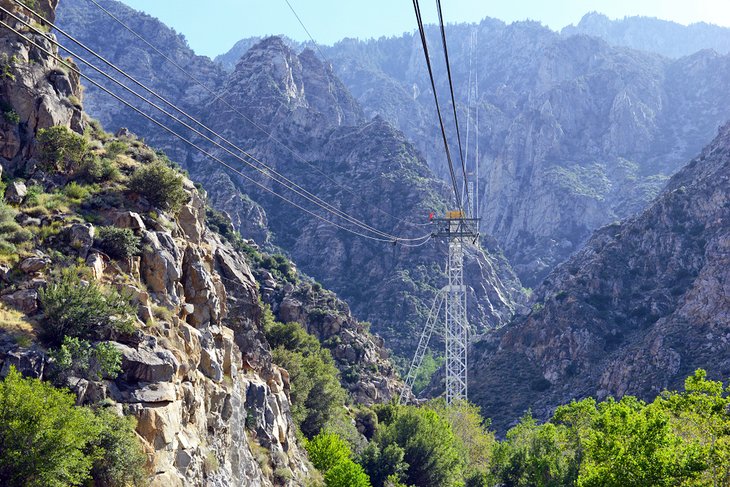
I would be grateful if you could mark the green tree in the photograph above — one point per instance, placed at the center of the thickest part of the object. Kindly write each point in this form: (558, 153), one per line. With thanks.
(383, 466)
(701, 417)
(161, 185)
(429, 445)
(122, 460)
(632, 444)
(44, 437)
(346, 474)
(534, 455)
(316, 394)
(475, 442)
(327, 450)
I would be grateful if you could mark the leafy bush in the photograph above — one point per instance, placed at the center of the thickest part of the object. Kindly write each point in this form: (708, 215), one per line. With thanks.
(123, 462)
(161, 185)
(83, 309)
(331, 455)
(61, 149)
(11, 234)
(11, 116)
(115, 147)
(118, 243)
(533, 454)
(46, 440)
(430, 448)
(316, 395)
(44, 437)
(79, 358)
(346, 474)
(75, 191)
(327, 450)
(95, 169)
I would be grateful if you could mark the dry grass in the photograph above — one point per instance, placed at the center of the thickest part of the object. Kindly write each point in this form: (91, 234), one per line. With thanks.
(18, 325)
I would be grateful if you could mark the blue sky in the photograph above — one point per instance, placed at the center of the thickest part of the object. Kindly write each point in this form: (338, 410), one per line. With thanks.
(213, 29)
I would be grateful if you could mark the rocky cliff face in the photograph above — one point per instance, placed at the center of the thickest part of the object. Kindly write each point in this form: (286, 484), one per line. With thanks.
(362, 166)
(653, 35)
(211, 407)
(573, 133)
(634, 312)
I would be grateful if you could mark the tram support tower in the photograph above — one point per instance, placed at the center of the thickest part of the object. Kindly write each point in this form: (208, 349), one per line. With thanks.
(456, 229)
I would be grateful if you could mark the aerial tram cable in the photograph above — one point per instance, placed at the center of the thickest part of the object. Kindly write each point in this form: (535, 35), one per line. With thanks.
(197, 147)
(451, 89)
(324, 58)
(218, 98)
(265, 172)
(424, 43)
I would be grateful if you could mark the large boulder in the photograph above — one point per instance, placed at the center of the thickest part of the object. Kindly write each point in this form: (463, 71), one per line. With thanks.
(15, 192)
(147, 363)
(25, 300)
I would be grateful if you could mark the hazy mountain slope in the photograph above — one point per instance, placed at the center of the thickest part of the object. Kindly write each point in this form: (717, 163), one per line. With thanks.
(654, 35)
(638, 309)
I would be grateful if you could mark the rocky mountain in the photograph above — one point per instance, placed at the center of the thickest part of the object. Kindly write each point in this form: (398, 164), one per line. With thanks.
(574, 133)
(361, 165)
(196, 369)
(639, 308)
(650, 34)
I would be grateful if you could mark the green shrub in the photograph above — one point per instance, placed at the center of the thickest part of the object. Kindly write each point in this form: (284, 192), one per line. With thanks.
(82, 309)
(429, 445)
(327, 450)
(46, 440)
(316, 395)
(11, 234)
(161, 185)
(79, 358)
(33, 195)
(44, 437)
(95, 169)
(61, 149)
(123, 462)
(118, 243)
(346, 474)
(115, 147)
(11, 116)
(76, 192)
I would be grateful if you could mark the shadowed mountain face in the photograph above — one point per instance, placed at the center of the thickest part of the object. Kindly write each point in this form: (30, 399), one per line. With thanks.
(639, 308)
(360, 164)
(654, 35)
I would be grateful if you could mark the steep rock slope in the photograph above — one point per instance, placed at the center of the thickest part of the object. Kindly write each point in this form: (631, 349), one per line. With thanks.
(637, 310)
(653, 35)
(574, 133)
(297, 99)
(197, 373)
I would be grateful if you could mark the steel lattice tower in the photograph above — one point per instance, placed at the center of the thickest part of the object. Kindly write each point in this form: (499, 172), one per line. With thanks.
(457, 327)
(456, 230)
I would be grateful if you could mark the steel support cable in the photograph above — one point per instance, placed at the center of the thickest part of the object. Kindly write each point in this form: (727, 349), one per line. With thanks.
(419, 19)
(451, 89)
(324, 58)
(192, 144)
(291, 185)
(218, 98)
